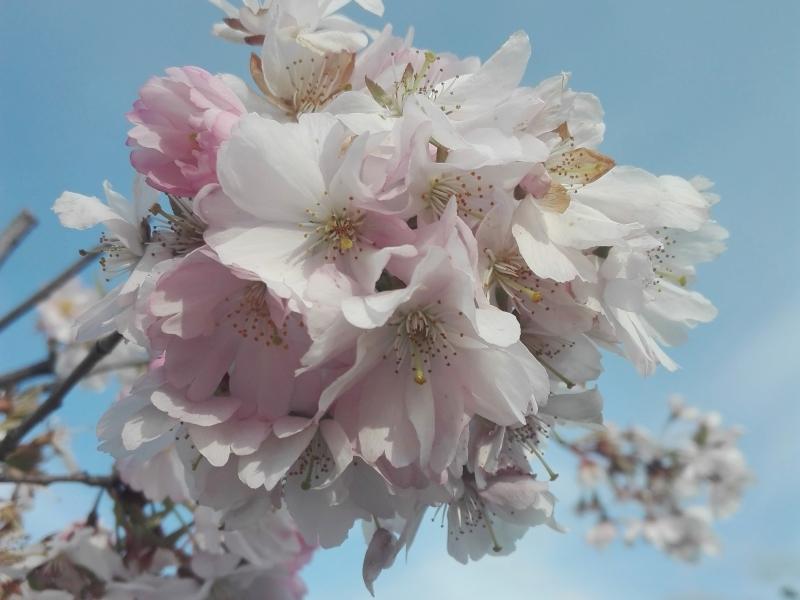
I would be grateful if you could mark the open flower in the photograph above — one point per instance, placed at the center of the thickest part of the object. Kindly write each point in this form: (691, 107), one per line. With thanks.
(490, 519)
(292, 201)
(428, 354)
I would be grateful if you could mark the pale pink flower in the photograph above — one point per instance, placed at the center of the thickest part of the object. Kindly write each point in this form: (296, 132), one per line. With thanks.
(461, 92)
(548, 307)
(490, 519)
(135, 247)
(424, 362)
(235, 330)
(316, 25)
(179, 123)
(317, 209)
(311, 468)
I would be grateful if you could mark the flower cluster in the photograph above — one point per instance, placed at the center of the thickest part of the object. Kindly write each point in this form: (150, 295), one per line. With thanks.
(377, 278)
(88, 561)
(678, 483)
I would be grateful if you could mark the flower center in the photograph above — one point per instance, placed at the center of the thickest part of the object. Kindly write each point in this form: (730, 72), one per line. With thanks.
(180, 231)
(117, 257)
(249, 315)
(661, 258)
(315, 465)
(530, 438)
(513, 276)
(314, 79)
(421, 338)
(471, 514)
(341, 232)
(469, 190)
(338, 234)
(425, 81)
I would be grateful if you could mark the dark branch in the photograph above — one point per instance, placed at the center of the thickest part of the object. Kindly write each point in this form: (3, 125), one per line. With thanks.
(43, 367)
(100, 350)
(105, 481)
(16, 231)
(48, 289)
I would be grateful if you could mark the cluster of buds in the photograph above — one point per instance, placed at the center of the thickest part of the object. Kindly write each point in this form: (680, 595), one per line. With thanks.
(666, 490)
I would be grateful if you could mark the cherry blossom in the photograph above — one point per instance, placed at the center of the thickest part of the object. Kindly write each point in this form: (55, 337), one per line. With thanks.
(379, 286)
(179, 123)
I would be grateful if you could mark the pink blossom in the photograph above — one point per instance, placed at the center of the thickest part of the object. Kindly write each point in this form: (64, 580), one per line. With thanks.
(179, 123)
(235, 327)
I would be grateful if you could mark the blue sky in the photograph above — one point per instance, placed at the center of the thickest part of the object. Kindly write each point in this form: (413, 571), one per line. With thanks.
(688, 87)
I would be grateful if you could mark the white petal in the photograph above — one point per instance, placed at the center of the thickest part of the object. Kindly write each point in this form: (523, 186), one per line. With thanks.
(497, 327)
(213, 411)
(628, 194)
(145, 426)
(269, 464)
(212, 443)
(77, 211)
(496, 78)
(339, 445)
(268, 169)
(540, 253)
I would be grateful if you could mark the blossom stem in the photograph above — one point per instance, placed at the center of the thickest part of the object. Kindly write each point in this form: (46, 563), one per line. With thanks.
(16, 231)
(100, 350)
(87, 257)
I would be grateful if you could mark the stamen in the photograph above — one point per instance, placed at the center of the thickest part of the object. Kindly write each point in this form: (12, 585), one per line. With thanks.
(249, 314)
(306, 484)
(420, 336)
(472, 194)
(339, 232)
(509, 273)
(496, 547)
(180, 232)
(533, 295)
(552, 474)
(570, 384)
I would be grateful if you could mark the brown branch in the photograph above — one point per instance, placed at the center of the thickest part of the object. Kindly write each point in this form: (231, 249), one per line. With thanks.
(105, 481)
(16, 231)
(100, 350)
(43, 367)
(46, 366)
(49, 288)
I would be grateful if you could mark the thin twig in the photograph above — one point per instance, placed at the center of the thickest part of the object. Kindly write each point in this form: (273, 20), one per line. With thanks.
(16, 231)
(43, 367)
(76, 267)
(100, 350)
(104, 481)
(113, 368)
(46, 366)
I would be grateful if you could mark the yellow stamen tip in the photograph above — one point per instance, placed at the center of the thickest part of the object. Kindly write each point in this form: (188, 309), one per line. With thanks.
(536, 296)
(419, 377)
(682, 280)
(345, 243)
